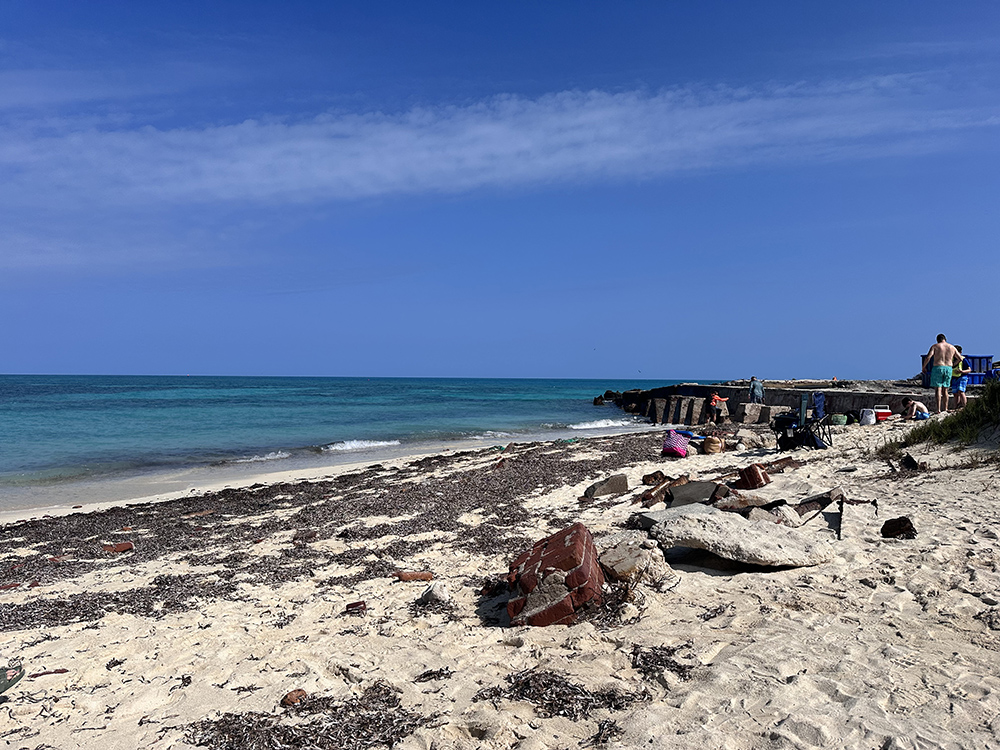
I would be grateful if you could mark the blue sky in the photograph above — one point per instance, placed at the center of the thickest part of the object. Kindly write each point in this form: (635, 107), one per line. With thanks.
(559, 189)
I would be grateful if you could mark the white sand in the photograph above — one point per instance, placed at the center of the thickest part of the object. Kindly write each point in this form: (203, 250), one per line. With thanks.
(888, 646)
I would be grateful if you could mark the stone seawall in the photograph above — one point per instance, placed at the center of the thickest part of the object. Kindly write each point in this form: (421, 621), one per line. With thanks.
(685, 403)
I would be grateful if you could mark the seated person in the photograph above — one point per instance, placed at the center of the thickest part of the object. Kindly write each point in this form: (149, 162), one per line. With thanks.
(915, 409)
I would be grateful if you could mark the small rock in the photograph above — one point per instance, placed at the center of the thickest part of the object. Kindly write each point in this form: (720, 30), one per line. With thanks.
(625, 561)
(293, 697)
(759, 514)
(787, 516)
(899, 528)
(436, 592)
(909, 462)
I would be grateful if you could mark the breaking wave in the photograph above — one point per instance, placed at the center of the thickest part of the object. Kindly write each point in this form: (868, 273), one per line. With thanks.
(493, 435)
(359, 445)
(272, 456)
(601, 424)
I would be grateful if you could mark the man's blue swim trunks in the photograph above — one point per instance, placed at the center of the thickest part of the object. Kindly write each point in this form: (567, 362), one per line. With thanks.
(940, 376)
(958, 385)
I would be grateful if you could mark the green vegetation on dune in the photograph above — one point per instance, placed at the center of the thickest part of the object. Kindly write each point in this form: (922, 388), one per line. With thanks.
(980, 417)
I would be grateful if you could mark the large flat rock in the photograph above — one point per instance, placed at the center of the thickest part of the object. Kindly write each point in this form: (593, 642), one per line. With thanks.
(733, 537)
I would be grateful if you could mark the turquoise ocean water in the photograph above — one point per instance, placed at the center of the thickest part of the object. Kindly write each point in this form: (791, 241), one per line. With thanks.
(60, 435)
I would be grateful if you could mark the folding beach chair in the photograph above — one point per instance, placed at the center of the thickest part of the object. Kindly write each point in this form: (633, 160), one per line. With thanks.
(802, 431)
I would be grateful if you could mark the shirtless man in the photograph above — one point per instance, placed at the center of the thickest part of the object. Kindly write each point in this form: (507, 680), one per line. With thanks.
(915, 409)
(940, 359)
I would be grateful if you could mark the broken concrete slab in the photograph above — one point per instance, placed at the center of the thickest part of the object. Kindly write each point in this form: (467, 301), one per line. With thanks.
(731, 536)
(695, 492)
(661, 492)
(627, 560)
(614, 485)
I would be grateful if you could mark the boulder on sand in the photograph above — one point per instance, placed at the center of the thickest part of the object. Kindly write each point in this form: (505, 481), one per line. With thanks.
(733, 537)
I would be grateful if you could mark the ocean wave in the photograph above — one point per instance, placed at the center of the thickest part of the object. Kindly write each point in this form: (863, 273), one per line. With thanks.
(359, 445)
(492, 435)
(601, 424)
(272, 456)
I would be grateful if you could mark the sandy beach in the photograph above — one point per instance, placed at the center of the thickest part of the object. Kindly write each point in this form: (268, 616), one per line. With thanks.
(231, 599)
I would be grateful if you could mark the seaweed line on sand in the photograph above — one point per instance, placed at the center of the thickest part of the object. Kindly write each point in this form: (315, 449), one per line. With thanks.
(373, 719)
(553, 695)
(204, 530)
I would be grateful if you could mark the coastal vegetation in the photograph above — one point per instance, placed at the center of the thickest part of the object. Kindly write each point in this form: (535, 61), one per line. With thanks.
(980, 419)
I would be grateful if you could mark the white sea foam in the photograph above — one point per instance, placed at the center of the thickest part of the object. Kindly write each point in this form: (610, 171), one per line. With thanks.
(359, 445)
(493, 435)
(272, 456)
(601, 424)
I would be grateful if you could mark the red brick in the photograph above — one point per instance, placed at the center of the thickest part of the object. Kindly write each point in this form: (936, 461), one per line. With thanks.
(119, 547)
(556, 577)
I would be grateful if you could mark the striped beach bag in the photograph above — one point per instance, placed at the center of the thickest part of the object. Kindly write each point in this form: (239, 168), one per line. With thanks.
(675, 444)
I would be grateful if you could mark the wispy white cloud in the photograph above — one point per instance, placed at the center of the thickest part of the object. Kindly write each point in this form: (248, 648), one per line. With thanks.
(83, 191)
(506, 141)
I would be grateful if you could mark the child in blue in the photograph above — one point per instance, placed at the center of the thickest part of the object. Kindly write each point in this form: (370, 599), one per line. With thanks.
(960, 381)
(915, 409)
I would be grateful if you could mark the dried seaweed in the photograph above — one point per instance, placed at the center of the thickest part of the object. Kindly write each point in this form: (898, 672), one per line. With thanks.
(434, 674)
(420, 608)
(616, 598)
(652, 661)
(607, 730)
(204, 530)
(717, 611)
(374, 719)
(553, 695)
(166, 595)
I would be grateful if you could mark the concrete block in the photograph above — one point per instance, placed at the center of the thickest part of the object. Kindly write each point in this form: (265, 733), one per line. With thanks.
(747, 413)
(658, 410)
(670, 415)
(694, 415)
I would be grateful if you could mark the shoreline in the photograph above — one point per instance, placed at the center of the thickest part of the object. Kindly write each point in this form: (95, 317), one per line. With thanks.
(231, 599)
(172, 483)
